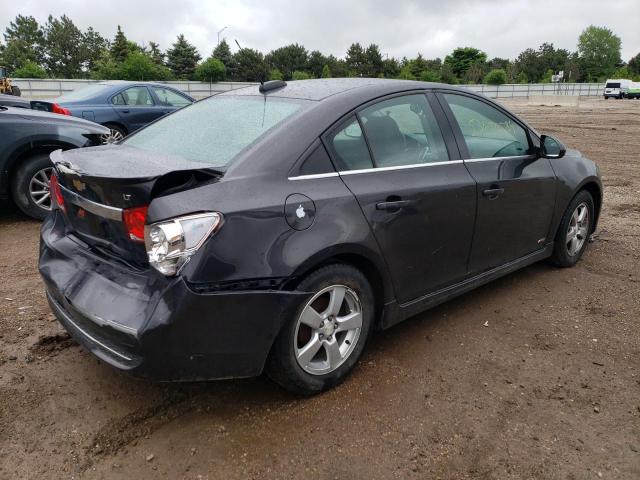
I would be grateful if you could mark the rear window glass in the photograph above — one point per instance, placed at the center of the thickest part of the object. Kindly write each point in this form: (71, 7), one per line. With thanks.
(214, 131)
(82, 93)
(613, 85)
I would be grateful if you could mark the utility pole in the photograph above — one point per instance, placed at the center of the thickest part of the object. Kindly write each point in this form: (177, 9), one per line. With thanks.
(219, 32)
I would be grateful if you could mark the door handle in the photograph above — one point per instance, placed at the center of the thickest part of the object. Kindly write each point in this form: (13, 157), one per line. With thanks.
(393, 205)
(125, 111)
(493, 193)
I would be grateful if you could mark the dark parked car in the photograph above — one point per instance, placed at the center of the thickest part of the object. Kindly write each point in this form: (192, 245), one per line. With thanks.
(276, 227)
(13, 101)
(123, 107)
(27, 137)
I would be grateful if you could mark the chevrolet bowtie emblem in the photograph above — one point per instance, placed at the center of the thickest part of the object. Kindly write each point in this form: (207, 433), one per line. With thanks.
(80, 186)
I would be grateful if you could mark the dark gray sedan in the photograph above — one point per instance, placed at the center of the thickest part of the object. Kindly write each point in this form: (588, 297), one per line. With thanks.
(13, 101)
(27, 137)
(275, 227)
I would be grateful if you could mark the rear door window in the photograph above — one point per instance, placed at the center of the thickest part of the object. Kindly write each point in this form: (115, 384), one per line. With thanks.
(487, 131)
(403, 131)
(134, 96)
(170, 98)
(613, 85)
(350, 147)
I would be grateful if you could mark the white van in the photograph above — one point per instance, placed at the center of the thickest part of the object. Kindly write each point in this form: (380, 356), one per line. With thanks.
(616, 88)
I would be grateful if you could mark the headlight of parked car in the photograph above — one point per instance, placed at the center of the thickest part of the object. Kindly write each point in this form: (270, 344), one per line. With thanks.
(170, 244)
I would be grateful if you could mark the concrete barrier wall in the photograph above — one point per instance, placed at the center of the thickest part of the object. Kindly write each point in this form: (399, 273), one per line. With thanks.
(51, 88)
(554, 100)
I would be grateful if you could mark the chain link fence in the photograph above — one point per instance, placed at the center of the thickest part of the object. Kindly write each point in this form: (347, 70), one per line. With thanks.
(41, 88)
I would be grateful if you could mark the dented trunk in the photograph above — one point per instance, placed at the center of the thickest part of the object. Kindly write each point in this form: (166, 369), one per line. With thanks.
(100, 185)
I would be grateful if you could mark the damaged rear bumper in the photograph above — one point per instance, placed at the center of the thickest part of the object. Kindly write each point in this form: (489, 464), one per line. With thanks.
(153, 326)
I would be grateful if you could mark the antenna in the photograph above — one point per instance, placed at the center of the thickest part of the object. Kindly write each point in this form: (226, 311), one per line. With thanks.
(238, 44)
(271, 85)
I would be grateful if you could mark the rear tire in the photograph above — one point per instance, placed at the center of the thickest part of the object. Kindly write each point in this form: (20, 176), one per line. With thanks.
(30, 186)
(116, 133)
(308, 359)
(15, 90)
(573, 233)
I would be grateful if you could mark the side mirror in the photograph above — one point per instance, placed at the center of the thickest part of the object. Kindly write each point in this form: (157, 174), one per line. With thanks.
(551, 148)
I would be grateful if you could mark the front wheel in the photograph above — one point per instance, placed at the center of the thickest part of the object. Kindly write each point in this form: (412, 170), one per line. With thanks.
(15, 90)
(321, 344)
(574, 230)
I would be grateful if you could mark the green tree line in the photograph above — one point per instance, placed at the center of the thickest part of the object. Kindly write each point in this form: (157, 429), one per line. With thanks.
(59, 49)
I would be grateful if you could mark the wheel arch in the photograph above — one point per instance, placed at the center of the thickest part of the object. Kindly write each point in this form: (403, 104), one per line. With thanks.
(20, 154)
(358, 257)
(116, 124)
(595, 189)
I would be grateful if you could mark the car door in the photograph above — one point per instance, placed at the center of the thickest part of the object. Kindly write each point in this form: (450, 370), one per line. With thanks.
(169, 99)
(136, 107)
(414, 190)
(515, 188)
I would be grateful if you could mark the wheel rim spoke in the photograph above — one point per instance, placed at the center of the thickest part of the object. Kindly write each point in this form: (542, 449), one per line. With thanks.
(43, 199)
(335, 300)
(306, 354)
(334, 357)
(582, 212)
(311, 318)
(349, 322)
(39, 182)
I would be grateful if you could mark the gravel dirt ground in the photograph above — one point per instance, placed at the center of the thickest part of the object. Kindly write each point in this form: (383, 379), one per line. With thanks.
(550, 389)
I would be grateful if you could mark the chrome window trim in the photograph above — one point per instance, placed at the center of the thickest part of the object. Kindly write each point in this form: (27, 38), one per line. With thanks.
(313, 176)
(520, 157)
(112, 213)
(399, 167)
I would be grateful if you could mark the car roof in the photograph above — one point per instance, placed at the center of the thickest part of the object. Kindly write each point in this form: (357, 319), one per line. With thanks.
(323, 88)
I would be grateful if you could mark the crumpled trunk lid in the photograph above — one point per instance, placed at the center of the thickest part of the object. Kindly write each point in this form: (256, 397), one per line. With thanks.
(99, 184)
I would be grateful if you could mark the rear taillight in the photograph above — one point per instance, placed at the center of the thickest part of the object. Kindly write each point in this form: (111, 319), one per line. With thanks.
(56, 192)
(134, 219)
(55, 108)
(170, 244)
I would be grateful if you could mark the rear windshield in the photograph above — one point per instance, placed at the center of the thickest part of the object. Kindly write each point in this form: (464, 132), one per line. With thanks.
(613, 85)
(82, 93)
(214, 131)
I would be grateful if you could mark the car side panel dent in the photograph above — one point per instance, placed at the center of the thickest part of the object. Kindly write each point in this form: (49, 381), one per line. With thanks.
(255, 240)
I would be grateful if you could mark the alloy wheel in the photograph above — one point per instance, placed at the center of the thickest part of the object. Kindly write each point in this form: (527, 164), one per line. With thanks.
(578, 229)
(39, 188)
(112, 137)
(328, 329)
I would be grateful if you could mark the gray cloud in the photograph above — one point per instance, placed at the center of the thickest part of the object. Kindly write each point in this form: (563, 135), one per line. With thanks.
(401, 28)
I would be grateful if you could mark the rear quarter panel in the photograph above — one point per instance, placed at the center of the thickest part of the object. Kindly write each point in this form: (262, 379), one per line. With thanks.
(256, 242)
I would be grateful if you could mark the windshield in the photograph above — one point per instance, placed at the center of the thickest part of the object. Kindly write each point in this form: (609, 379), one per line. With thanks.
(83, 93)
(214, 131)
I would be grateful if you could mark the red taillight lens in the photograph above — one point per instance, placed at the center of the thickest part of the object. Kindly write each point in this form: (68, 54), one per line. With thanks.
(134, 219)
(56, 192)
(61, 110)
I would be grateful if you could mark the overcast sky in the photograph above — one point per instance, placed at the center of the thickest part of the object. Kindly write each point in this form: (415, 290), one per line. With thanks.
(401, 28)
